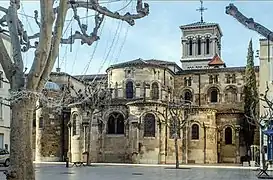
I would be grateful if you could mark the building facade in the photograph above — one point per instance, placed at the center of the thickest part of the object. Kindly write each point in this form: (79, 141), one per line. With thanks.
(5, 112)
(266, 79)
(138, 125)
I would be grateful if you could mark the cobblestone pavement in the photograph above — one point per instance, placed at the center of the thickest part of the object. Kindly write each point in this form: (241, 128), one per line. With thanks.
(59, 172)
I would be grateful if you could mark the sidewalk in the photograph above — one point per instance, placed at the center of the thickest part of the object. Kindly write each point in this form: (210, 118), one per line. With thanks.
(219, 166)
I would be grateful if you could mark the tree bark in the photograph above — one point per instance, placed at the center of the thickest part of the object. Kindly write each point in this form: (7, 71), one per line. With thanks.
(262, 150)
(21, 159)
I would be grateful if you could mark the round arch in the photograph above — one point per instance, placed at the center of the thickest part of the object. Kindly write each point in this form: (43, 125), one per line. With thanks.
(106, 115)
(149, 121)
(115, 123)
(213, 94)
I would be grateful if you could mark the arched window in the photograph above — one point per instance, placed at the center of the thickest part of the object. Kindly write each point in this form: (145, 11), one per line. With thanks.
(187, 96)
(115, 124)
(233, 78)
(213, 95)
(199, 46)
(149, 125)
(228, 135)
(194, 132)
(210, 79)
(155, 91)
(207, 46)
(190, 47)
(185, 81)
(189, 81)
(129, 90)
(231, 94)
(41, 122)
(75, 125)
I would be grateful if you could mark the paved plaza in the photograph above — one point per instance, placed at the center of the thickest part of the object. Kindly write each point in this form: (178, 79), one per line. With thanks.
(60, 172)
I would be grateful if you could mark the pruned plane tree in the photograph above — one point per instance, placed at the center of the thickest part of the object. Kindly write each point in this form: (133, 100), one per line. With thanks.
(249, 23)
(263, 120)
(25, 89)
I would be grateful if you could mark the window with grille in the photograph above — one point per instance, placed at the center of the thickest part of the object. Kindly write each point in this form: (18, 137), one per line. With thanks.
(195, 132)
(155, 91)
(129, 90)
(149, 125)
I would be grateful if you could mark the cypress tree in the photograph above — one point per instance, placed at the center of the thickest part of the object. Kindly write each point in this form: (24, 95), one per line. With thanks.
(250, 100)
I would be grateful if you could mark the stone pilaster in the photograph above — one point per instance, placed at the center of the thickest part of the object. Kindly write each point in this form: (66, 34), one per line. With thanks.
(237, 143)
(134, 129)
(39, 133)
(162, 157)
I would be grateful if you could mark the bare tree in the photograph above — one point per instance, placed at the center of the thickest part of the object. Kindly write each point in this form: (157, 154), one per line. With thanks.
(249, 23)
(93, 99)
(262, 121)
(179, 117)
(25, 89)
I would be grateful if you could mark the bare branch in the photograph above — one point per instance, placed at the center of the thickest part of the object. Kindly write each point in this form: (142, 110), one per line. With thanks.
(44, 47)
(54, 49)
(86, 39)
(17, 74)
(36, 18)
(249, 23)
(83, 27)
(129, 18)
(3, 20)
(265, 98)
(5, 10)
(5, 104)
(5, 60)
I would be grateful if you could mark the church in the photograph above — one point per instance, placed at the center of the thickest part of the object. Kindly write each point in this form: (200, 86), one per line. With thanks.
(138, 125)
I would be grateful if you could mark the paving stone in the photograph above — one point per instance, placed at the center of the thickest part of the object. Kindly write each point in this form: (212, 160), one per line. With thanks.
(59, 172)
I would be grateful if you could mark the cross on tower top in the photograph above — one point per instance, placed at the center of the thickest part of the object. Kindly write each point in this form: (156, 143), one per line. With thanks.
(201, 9)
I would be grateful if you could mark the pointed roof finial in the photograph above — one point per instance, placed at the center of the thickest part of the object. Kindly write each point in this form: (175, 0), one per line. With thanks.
(201, 9)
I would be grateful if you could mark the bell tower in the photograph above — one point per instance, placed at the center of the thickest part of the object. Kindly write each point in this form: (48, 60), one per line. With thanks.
(201, 42)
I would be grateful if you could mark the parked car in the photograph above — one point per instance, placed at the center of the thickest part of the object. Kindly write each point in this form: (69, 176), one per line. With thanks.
(4, 157)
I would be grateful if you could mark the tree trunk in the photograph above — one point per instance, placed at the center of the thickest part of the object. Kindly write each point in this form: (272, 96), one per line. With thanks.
(176, 152)
(89, 140)
(21, 158)
(262, 150)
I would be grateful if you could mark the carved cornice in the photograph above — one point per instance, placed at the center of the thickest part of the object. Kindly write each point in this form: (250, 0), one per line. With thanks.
(230, 112)
(147, 103)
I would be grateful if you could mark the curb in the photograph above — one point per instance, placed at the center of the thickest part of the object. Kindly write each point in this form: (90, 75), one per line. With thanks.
(158, 165)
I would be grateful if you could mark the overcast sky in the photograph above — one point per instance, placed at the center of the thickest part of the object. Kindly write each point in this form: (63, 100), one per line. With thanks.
(156, 36)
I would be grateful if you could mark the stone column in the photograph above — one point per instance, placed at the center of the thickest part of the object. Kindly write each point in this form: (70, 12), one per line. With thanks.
(194, 47)
(162, 156)
(213, 46)
(134, 132)
(39, 133)
(204, 47)
(237, 143)
(69, 143)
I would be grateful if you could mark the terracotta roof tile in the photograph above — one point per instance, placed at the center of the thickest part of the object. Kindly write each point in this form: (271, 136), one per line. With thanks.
(216, 60)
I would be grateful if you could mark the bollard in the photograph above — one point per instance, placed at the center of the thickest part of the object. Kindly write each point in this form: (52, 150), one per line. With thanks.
(67, 162)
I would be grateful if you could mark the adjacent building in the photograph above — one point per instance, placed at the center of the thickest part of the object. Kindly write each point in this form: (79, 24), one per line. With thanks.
(266, 80)
(5, 112)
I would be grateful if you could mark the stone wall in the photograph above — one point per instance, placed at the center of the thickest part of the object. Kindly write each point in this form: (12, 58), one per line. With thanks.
(50, 133)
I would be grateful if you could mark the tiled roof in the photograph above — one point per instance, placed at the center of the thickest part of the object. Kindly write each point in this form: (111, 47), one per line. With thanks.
(91, 77)
(215, 70)
(142, 62)
(216, 60)
(201, 24)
